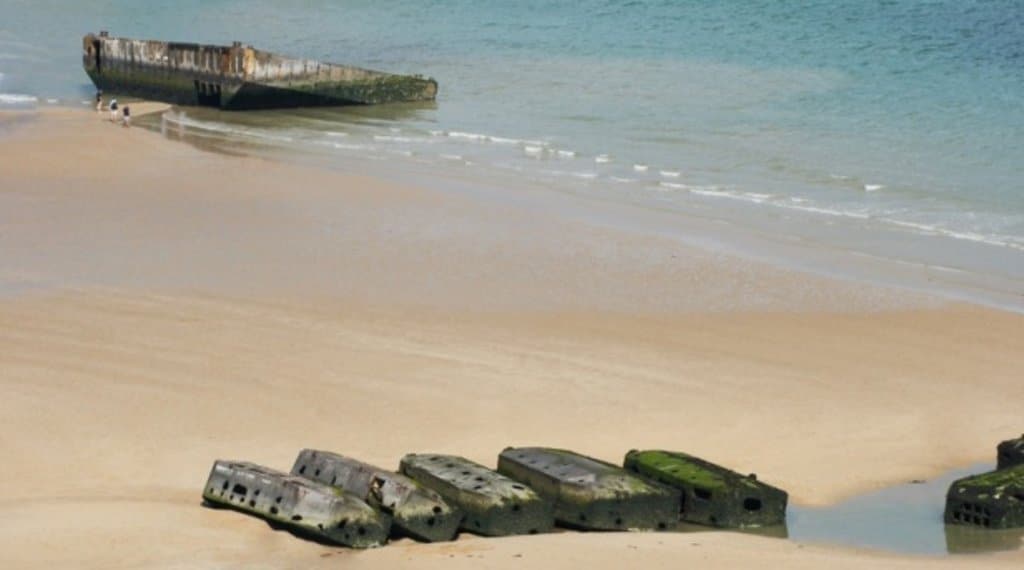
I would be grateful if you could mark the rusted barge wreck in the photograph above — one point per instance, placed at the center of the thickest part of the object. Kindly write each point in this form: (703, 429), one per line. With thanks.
(238, 77)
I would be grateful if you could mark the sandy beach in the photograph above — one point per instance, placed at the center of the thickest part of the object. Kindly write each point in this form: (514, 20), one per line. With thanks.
(162, 307)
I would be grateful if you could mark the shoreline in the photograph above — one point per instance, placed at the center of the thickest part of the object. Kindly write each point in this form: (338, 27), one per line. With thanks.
(818, 244)
(734, 235)
(186, 306)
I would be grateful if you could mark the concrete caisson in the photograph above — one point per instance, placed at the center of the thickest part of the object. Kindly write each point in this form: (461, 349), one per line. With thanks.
(711, 494)
(1010, 453)
(993, 500)
(238, 77)
(416, 510)
(494, 505)
(589, 493)
(306, 507)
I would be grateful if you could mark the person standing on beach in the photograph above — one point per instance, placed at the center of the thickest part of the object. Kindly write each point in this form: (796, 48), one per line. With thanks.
(127, 117)
(99, 101)
(113, 110)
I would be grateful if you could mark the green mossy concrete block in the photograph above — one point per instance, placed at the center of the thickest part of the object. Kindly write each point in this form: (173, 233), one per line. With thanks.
(303, 506)
(711, 494)
(591, 494)
(417, 511)
(494, 505)
(992, 500)
(1010, 453)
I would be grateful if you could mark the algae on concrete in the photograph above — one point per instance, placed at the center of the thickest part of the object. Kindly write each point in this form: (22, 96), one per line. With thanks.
(711, 494)
(589, 493)
(1010, 453)
(989, 500)
(238, 76)
(416, 510)
(306, 507)
(494, 505)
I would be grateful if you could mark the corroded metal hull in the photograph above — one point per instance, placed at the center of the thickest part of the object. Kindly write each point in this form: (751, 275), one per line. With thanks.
(238, 77)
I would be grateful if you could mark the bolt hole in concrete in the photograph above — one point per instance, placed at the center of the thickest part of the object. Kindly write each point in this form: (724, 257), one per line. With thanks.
(752, 504)
(905, 518)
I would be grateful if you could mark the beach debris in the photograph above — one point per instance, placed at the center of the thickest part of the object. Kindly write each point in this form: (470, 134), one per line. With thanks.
(306, 507)
(993, 500)
(416, 511)
(1010, 453)
(589, 493)
(711, 494)
(237, 76)
(494, 505)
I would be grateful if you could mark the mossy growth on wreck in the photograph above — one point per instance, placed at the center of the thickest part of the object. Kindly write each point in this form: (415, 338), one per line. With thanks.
(711, 494)
(238, 77)
(988, 500)
(589, 493)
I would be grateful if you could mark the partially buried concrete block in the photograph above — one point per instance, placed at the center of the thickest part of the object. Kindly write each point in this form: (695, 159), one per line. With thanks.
(494, 505)
(711, 494)
(1010, 453)
(304, 506)
(416, 510)
(991, 500)
(591, 494)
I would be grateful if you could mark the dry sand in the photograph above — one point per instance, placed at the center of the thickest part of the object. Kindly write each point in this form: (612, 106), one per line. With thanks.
(161, 307)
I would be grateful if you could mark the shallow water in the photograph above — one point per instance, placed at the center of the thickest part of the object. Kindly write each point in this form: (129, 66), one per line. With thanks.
(905, 518)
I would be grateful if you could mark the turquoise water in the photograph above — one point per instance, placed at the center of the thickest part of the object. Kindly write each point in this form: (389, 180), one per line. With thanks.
(905, 518)
(892, 129)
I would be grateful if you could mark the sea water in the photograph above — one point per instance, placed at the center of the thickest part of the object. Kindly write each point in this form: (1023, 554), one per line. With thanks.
(888, 130)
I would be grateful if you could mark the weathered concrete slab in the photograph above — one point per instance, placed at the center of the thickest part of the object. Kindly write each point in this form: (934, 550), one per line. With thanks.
(711, 494)
(591, 494)
(305, 506)
(1010, 453)
(417, 511)
(494, 505)
(990, 500)
(237, 76)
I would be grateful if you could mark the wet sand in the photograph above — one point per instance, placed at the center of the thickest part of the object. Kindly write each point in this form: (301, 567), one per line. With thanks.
(161, 307)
